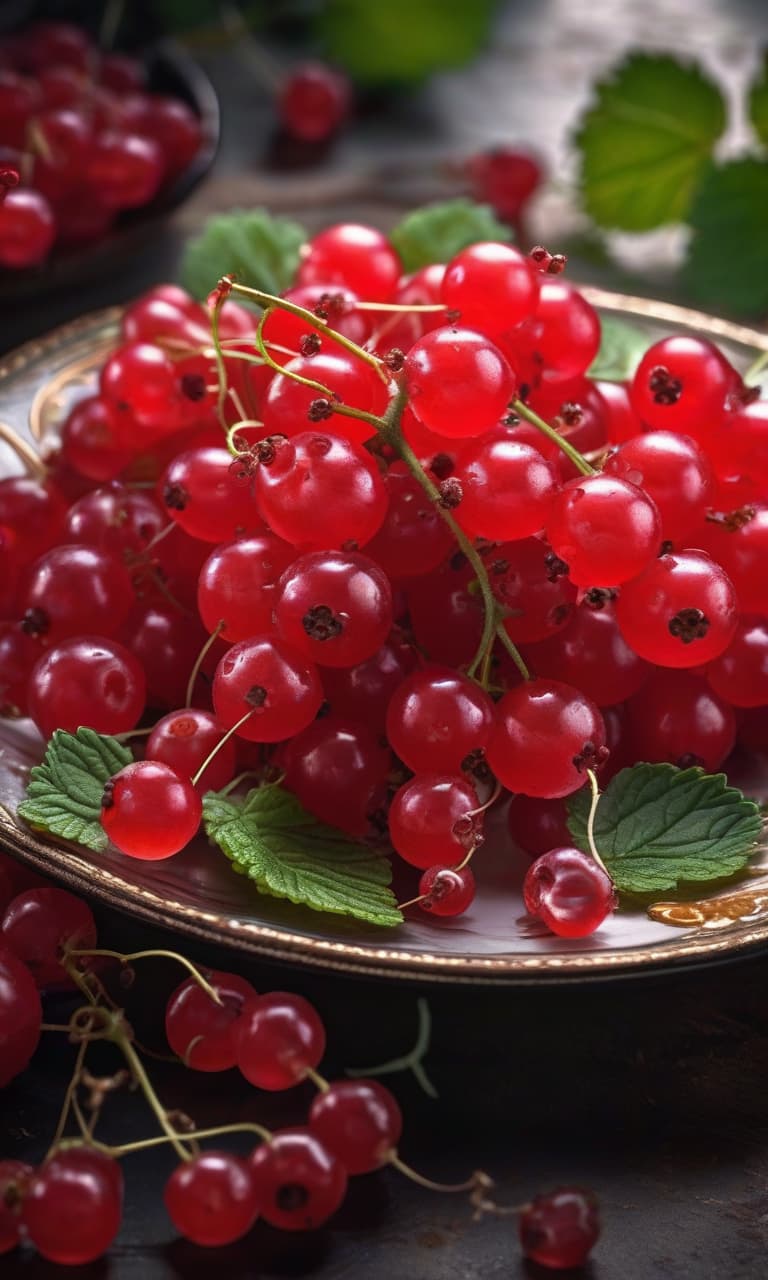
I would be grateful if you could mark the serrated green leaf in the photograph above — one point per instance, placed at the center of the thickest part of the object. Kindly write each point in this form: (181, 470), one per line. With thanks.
(399, 41)
(64, 792)
(646, 141)
(757, 104)
(622, 346)
(728, 214)
(260, 250)
(270, 838)
(657, 826)
(437, 232)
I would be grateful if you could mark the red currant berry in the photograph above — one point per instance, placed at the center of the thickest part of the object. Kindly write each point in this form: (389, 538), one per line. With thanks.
(201, 493)
(299, 1182)
(20, 1016)
(446, 614)
(681, 384)
(27, 229)
(740, 675)
(507, 488)
(356, 257)
(429, 820)
(591, 653)
(605, 529)
(532, 584)
(564, 332)
(546, 736)
(561, 1228)
(334, 607)
(89, 441)
(414, 539)
(14, 1180)
(201, 1032)
(41, 925)
(184, 740)
(622, 423)
(338, 770)
(359, 1121)
(313, 102)
(569, 892)
(738, 542)
(505, 178)
(211, 1199)
(679, 718)
(288, 406)
(458, 382)
(124, 169)
(681, 612)
(74, 1205)
(278, 688)
(672, 470)
(279, 1038)
(438, 717)
(18, 654)
(446, 891)
(149, 811)
(73, 590)
(86, 681)
(492, 286)
(363, 692)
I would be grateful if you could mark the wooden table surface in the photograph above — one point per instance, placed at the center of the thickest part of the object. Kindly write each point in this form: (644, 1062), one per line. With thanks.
(650, 1091)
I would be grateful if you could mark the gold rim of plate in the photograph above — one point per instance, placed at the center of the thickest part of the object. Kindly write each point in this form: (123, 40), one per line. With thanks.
(723, 925)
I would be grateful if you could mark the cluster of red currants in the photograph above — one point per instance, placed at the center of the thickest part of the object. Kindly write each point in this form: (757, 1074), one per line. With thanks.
(86, 136)
(426, 551)
(70, 1208)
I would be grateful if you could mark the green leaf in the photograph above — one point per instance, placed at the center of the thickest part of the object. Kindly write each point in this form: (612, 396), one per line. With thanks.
(758, 103)
(269, 837)
(728, 219)
(64, 792)
(657, 825)
(260, 250)
(646, 142)
(437, 232)
(397, 41)
(622, 347)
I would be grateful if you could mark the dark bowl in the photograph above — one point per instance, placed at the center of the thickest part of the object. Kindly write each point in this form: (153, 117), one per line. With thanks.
(169, 70)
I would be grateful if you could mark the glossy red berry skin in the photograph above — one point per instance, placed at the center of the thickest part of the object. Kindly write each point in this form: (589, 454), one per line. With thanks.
(458, 382)
(211, 1199)
(125, 169)
(438, 717)
(267, 677)
(184, 739)
(507, 488)
(334, 607)
(313, 102)
(201, 1032)
(678, 717)
(359, 1121)
(279, 1038)
(363, 692)
(86, 680)
(238, 585)
(740, 546)
(338, 770)
(73, 1206)
(547, 734)
(428, 822)
(446, 891)
(89, 441)
(73, 590)
(492, 286)
(560, 1229)
(681, 612)
(27, 229)
(506, 178)
(284, 330)
(299, 1182)
(149, 811)
(20, 1016)
(201, 492)
(605, 529)
(321, 491)
(18, 654)
(591, 654)
(564, 331)
(355, 256)
(569, 892)
(681, 385)
(414, 539)
(622, 423)
(14, 1180)
(673, 471)
(740, 674)
(39, 925)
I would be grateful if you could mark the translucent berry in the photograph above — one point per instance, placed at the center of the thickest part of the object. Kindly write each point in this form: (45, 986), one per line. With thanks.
(561, 1228)
(569, 892)
(359, 1121)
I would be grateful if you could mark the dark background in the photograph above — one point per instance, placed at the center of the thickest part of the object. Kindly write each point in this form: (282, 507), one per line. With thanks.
(650, 1091)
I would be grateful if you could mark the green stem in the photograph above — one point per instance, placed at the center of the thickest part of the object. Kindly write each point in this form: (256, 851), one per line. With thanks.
(409, 1061)
(221, 368)
(195, 1135)
(591, 823)
(220, 744)
(578, 461)
(269, 300)
(142, 1079)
